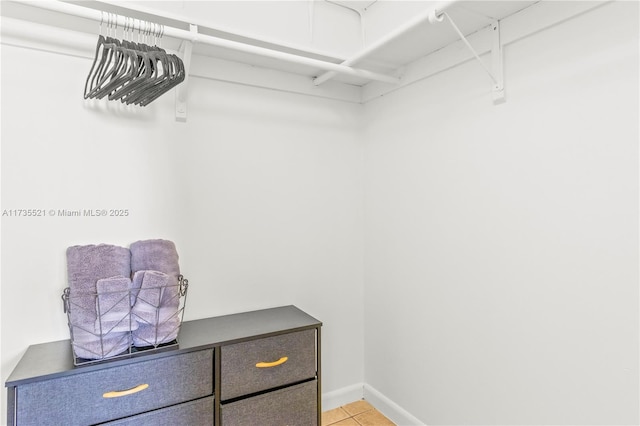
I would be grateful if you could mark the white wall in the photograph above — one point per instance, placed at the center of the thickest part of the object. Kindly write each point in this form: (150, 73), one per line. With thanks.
(501, 253)
(500, 262)
(261, 192)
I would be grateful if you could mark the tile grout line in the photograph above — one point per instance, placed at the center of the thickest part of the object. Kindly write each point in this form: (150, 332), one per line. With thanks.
(352, 417)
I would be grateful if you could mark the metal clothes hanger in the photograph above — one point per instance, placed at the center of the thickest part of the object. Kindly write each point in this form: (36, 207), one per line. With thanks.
(140, 72)
(133, 72)
(99, 52)
(159, 66)
(130, 69)
(110, 61)
(159, 69)
(175, 74)
(101, 57)
(117, 74)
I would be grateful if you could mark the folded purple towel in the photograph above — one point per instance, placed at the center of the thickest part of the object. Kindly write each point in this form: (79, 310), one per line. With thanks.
(155, 255)
(166, 331)
(160, 256)
(88, 345)
(136, 283)
(150, 287)
(85, 266)
(113, 306)
(156, 310)
(88, 264)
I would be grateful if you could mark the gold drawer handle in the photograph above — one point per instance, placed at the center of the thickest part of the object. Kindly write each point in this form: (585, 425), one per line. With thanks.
(272, 364)
(116, 394)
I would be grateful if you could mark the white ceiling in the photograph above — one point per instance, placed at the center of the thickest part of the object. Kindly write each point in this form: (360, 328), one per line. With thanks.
(470, 16)
(357, 5)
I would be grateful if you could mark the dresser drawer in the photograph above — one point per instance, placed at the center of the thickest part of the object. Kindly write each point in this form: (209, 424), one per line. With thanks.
(80, 399)
(199, 412)
(285, 359)
(293, 406)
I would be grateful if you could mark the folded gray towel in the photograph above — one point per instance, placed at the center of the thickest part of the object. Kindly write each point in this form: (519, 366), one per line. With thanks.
(89, 345)
(155, 255)
(165, 332)
(113, 306)
(150, 287)
(136, 283)
(85, 266)
(160, 256)
(88, 264)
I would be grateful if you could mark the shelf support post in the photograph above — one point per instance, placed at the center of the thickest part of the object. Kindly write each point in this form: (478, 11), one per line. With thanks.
(182, 90)
(497, 64)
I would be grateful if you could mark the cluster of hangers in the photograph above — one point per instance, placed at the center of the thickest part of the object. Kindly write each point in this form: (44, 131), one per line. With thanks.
(133, 72)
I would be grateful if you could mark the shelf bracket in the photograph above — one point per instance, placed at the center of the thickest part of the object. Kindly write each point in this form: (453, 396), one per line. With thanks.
(496, 74)
(497, 64)
(182, 90)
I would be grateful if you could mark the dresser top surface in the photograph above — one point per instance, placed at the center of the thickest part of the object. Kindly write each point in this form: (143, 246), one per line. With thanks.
(56, 358)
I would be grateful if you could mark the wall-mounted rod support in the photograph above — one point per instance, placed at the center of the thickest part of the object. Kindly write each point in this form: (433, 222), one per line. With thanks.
(393, 35)
(464, 39)
(497, 64)
(96, 15)
(182, 90)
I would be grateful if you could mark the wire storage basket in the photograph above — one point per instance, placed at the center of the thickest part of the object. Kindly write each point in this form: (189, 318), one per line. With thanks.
(115, 323)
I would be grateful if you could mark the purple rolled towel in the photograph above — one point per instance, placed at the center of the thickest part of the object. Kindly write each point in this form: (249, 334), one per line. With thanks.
(150, 286)
(85, 266)
(88, 345)
(155, 255)
(153, 335)
(136, 283)
(113, 306)
(158, 324)
(158, 255)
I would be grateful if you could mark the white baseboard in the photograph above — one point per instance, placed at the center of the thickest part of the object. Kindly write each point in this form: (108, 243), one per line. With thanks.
(358, 391)
(390, 409)
(342, 396)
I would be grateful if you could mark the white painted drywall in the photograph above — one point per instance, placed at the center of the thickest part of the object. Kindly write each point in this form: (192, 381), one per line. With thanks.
(501, 242)
(260, 190)
(501, 253)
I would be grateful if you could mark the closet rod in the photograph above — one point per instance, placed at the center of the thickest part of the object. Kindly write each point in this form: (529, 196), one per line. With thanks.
(432, 14)
(98, 16)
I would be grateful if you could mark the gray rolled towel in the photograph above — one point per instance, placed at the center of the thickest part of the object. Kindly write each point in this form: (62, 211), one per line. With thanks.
(155, 265)
(113, 306)
(157, 314)
(92, 346)
(162, 256)
(85, 266)
(155, 255)
(165, 331)
(149, 287)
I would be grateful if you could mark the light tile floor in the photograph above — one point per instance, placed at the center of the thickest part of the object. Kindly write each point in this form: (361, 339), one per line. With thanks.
(358, 413)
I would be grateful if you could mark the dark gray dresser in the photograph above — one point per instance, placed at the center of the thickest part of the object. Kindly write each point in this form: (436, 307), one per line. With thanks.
(253, 368)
